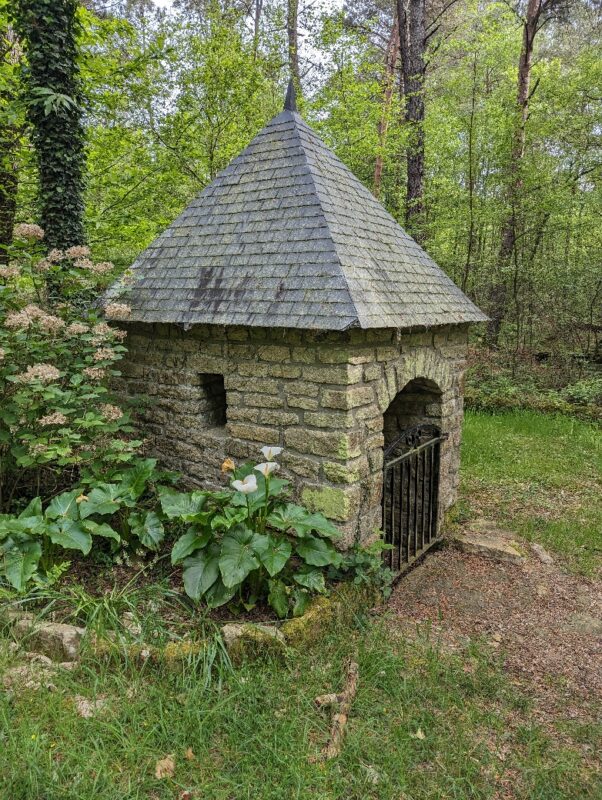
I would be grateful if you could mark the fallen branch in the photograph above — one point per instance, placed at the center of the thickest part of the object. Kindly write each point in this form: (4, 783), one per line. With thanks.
(343, 703)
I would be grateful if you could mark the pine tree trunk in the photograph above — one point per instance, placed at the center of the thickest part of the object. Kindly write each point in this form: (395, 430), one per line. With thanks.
(392, 55)
(292, 30)
(411, 15)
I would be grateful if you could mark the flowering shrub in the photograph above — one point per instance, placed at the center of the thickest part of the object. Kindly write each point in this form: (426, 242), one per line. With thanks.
(251, 542)
(58, 422)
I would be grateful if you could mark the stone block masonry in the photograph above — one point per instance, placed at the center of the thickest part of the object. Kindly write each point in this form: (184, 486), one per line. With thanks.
(331, 399)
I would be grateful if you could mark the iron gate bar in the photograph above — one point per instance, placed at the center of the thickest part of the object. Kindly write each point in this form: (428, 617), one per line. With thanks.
(410, 495)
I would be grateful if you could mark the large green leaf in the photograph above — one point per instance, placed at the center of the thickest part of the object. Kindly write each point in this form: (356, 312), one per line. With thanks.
(21, 562)
(185, 505)
(71, 535)
(101, 529)
(312, 579)
(148, 528)
(237, 559)
(278, 598)
(285, 517)
(273, 553)
(193, 539)
(104, 500)
(201, 571)
(219, 594)
(34, 509)
(229, 518)
(133, 482)
(317, 523)
(63, 505)
(301, 598)
(297, 518)
(317, 552)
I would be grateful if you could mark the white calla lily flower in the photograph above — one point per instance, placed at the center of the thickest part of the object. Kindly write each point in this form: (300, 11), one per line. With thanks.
(267, 468)
(270, 453)
(248, 485)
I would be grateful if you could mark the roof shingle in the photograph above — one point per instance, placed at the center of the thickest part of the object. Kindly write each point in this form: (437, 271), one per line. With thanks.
(287, 236)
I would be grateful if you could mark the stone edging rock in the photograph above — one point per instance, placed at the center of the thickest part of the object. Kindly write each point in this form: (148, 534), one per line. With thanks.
(63, 643)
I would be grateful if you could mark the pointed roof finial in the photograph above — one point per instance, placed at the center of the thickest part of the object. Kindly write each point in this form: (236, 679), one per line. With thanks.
(290, 102)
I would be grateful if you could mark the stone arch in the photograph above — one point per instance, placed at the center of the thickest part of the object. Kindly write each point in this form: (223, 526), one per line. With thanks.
(419, 402)
(424, 365)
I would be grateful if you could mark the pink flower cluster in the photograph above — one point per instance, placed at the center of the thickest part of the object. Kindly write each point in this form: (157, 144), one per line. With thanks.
(117, 311)
(9, 272)
(77, 328)
(78, 251)
(111, 413)
(94, 373)
(26, 230)
(31, 314)
(57, 418)
(104, 354)
(44, 373)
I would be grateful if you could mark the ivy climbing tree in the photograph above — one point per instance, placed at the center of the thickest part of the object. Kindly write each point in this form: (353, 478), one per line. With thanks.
(47, 29)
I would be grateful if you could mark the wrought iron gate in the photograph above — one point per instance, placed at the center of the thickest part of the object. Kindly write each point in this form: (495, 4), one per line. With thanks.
(410, 494)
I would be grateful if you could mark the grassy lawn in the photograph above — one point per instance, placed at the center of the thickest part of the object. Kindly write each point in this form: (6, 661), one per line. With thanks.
(426, 724)
(540, 476)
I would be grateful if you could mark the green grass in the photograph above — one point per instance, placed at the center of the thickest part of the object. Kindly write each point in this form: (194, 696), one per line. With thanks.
(540, 476)
(425, 726)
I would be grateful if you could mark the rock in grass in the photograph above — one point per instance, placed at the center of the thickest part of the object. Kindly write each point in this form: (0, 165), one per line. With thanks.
(491, 545)
(541, 553)
(247, 640)
(56, 640)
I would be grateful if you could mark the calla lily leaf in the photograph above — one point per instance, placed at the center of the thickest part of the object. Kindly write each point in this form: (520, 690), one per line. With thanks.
(193, 539)
(237, 558)
(201, 571)
(273, 553)
(20, 563)
(71, 535)
(317, 552)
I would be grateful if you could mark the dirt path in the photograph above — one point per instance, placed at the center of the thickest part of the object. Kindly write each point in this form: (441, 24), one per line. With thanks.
(546, 624)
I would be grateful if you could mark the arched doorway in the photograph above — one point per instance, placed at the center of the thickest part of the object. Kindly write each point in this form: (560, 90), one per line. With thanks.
(412, 450)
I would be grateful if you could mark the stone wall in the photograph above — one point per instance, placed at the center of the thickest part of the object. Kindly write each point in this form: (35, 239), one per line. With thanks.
(320, 395)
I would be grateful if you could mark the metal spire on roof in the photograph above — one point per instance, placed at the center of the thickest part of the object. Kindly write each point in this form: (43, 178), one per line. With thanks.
(290, 102)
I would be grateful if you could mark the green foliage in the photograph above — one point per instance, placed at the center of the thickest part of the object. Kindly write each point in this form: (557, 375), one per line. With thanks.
(251, 542)
(48, 31)
(34, 542)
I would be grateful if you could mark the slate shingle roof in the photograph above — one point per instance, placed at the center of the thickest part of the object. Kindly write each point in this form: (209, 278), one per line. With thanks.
(287, 236)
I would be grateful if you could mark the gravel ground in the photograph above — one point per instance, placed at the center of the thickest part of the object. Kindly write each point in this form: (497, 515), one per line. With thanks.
(545, 623)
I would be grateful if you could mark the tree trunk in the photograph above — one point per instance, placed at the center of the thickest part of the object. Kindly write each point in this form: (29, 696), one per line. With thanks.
(412, 26)
(56, 118)
(471, 179)
(498, 294)
(256, 26)
(292, 14)
(392, 55)
(10, 135)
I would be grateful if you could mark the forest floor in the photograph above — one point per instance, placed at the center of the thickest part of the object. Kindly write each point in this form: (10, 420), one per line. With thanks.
(478, 681)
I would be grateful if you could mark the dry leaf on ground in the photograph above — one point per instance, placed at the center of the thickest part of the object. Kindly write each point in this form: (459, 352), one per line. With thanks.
(165, 767)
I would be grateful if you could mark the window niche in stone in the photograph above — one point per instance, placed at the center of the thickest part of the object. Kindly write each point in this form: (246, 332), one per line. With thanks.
(212, 400)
